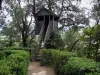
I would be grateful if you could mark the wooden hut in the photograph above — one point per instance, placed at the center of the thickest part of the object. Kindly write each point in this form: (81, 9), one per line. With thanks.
(46, 23)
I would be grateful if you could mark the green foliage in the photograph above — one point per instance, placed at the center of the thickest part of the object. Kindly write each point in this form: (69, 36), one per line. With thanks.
(93, 73)
(2, 55)
(4, 43)
(96, 10)
(14, 63)
(66, 63)
(91, 40)
(4, 68)
(55, 58)
(70, 38)
(78, 66)
(54, 42)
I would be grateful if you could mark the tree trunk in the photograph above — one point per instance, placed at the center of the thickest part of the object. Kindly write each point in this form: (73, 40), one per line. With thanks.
(96, 53)
(10, 41)
(24, 43)
(24, 40)
(90, 48)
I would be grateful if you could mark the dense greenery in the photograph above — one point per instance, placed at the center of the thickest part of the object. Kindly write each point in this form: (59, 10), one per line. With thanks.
(54, 42)
(67, 63)
(91, 40)
(54, 56)
(14, 62)
(71, 40)
(79, 66)
(77, 41)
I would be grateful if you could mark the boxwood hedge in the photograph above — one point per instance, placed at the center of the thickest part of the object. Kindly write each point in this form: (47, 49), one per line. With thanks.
(79, 66)
(51, 56)
(14, 62)
(56, 58)
(67, 63)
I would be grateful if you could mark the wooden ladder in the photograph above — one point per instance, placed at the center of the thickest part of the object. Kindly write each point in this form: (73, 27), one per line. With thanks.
(38, 58)
(37, 54)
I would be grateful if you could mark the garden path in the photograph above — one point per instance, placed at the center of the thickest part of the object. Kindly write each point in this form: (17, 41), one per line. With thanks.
(35, 69)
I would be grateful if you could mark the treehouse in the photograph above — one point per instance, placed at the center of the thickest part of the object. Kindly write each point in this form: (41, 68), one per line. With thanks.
(46, 23)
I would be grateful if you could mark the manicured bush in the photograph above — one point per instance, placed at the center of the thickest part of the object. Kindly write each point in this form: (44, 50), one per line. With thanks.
(2, 55)
(4, 68)
(56, 58)
(67, 63)
(14, 63)
(51, 56)
(93, 73)
(78, 66)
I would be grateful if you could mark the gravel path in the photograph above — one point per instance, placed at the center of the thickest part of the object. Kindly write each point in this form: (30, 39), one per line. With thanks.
(35, 69)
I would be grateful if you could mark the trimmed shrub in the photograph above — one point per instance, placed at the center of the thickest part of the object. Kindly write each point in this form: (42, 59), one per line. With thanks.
(2, 55)
(66, 63)
(4, 68)
(14, 63)
(56, 58)
(78, 66)
(51, 56)
(93, 73)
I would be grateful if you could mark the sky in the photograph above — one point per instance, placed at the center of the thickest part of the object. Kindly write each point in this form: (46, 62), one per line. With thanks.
(87, 4)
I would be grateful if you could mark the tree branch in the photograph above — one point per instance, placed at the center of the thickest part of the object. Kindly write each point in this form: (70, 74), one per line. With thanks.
(61, 8)
(30, 22)
(74, 44)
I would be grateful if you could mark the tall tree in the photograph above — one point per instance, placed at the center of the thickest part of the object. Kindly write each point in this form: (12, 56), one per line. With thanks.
(0, 4)
(22, 24)
(92, 41)
(11, 34)
(96, 11)
(71, 39)
(22, 19)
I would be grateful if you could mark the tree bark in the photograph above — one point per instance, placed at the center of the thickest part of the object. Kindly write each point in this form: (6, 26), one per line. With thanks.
(97, 46)
(10, 40)
(10, 43)
(24, 40)
(96, 53)
(74, 44)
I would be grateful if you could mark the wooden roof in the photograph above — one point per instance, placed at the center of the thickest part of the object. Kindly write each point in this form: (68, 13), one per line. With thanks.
(44, 12)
